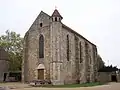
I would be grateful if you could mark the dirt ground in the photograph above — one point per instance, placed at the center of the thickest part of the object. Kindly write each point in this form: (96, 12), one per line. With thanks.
(19, 86)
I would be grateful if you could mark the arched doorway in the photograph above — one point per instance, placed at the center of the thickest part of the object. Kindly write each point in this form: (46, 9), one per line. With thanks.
(41, 74)
(40, 70)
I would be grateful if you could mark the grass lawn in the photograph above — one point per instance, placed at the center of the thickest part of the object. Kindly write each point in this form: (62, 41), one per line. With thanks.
(76, 85)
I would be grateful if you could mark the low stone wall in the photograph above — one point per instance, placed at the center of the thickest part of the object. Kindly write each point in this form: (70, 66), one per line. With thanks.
(3, 69)
(104, 77)
(118, 77)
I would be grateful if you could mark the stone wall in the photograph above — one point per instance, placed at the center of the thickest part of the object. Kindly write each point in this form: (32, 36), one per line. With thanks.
(3, 69)
(95, 67)
(84, 67)
(104, 77)
(118, 76)
(80, 70)
(31, 58)
(68, 65)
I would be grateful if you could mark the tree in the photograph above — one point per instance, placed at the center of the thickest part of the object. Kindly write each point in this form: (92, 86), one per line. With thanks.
(13, 44)
(100, 62)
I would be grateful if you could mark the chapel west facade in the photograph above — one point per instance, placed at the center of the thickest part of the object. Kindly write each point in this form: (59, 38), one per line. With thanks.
(55, 52)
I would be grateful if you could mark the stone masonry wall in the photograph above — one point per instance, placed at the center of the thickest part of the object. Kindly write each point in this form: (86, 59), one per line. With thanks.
(31, 54)
(81, 62)
(80, 69)
(68, 66)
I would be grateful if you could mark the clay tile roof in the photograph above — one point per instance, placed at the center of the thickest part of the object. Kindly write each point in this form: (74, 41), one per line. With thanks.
(56, 14)
(3, 54)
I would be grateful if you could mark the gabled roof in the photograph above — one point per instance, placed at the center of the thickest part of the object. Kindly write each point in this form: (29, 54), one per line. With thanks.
(56, 14)
(37, 19)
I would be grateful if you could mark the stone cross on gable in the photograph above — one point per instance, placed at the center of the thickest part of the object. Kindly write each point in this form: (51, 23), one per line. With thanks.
(55, 7)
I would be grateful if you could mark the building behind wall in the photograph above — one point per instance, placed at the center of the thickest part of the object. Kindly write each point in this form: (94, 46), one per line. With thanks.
(3, 64)
(55, 52)
(109, 74)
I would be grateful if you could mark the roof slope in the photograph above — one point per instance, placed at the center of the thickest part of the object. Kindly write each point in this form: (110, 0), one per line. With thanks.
(71, 30)
(56, 14)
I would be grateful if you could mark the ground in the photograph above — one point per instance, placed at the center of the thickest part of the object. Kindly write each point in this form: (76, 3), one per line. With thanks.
(19, 86)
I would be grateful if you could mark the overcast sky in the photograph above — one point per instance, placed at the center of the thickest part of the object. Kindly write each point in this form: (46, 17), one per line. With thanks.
(96, 20)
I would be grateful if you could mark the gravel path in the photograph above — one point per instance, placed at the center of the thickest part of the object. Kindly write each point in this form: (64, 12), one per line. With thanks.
(18, 86)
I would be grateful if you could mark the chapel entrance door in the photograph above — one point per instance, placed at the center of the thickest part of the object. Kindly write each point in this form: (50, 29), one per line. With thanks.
(41, 74)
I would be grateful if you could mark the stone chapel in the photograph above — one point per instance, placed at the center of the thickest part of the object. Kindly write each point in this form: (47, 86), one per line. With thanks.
(55, 52)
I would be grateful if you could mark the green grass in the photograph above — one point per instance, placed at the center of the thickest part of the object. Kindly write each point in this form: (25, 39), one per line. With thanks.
(76, 85)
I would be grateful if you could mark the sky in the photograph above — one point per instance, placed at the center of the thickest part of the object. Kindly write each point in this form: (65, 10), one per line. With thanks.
(96, 20)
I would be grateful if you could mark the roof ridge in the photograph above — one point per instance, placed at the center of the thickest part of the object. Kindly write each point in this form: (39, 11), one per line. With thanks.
(77, 33)
(44, 13)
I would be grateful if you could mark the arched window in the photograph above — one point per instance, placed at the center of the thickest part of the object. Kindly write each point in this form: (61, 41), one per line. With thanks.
(67, 47)
(55, 18)
(41, 46)
(80, 46)
(40, 24)
(86, 48)
(59, 19)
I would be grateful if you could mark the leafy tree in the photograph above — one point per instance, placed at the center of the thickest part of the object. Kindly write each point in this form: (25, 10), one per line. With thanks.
(108, 69)
(13, 44)
(100, 62)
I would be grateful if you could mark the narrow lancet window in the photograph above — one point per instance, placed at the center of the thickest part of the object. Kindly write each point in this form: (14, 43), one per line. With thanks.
(80, 46)
(41, 46)
(67, 47)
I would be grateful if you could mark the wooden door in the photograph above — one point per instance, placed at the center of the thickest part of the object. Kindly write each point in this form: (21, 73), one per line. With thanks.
(41, 74)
